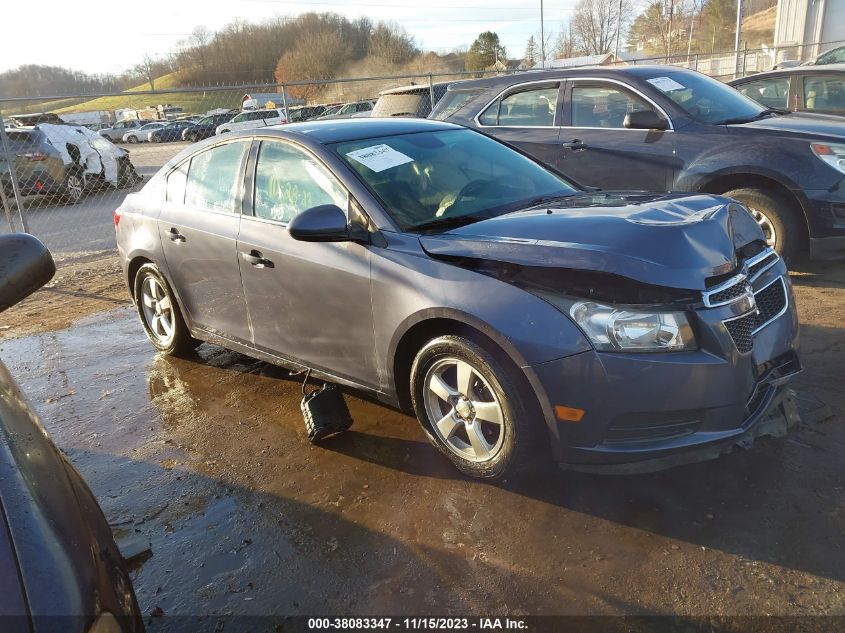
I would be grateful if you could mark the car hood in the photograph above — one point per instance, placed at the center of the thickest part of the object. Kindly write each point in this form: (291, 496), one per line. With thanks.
(811, 125)
(672, 240)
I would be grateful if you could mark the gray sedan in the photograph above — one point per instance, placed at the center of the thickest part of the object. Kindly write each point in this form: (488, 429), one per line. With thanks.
(445, 273)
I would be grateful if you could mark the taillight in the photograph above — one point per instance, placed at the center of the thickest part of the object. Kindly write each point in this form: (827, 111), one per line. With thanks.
(116, 217)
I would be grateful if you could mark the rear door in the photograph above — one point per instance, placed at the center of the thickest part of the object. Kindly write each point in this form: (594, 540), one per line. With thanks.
(308, 301)
(597, 150)
(528, 117)
(198, 226)
(822, 93)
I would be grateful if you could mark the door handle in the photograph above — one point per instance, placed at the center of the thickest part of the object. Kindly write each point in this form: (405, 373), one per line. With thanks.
(176, 236)
(576, 145)
(255, 258)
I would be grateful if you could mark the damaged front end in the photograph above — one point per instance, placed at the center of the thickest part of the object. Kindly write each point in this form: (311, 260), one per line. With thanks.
(689, 315)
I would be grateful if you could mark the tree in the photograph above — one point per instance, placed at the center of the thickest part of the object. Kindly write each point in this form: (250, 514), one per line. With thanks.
(594, 24)
(312, 59)
(485, 51)
(659, 29)
(391, 42)
(718, 26)
(147, 70)
(531, 55)
(564, 46)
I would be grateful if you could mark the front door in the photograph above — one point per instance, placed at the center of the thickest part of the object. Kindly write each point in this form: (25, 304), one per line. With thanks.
(198, 226)
(598, 151)
(307, 301)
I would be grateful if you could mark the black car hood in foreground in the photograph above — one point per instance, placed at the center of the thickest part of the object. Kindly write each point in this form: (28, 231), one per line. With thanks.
(672, 240)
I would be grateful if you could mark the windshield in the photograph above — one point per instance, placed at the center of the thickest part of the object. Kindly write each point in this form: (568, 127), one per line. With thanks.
(431, 180)
(705, 99)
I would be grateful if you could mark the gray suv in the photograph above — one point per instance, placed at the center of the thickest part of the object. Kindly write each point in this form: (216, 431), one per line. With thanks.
(445, 273)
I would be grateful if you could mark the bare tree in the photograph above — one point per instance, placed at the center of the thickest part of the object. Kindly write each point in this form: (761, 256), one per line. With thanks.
(147, 69)
(564, 45)
(594, 24)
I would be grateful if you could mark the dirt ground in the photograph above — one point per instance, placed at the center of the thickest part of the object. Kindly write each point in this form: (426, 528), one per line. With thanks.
(206, 460)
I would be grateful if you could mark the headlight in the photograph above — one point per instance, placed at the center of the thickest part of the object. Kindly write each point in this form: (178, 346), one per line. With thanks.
(622, 329)
(833, 155)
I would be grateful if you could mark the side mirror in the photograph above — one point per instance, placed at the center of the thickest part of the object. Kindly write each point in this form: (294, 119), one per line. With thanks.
(25, 266)
(325, 223)
(644, 120)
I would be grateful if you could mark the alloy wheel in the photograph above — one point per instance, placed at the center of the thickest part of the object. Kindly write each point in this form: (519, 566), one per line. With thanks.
(74, 187)
(766, 224)
(158, 310)
(463, 410)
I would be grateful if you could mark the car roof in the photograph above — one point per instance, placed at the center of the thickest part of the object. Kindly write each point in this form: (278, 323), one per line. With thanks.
(600, 72)
(341, 130)
(823, 69)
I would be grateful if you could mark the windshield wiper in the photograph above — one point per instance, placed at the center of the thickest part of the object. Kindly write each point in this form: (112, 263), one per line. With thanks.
(448, 223)
(756, 117)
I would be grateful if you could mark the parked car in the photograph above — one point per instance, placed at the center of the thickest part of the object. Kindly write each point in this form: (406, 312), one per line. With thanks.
(305, 113)
(170, 132)
(63, 161)
(118, 130)
(833, 56)
(142, 134)
(59, 564)
(444, 272)
(665, 128)
(813, 89)
(251, 119)
(347, 110)
(410, 101)
(205, 127)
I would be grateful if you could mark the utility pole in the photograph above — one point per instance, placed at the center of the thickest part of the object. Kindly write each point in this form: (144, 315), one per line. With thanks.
(736, 40)
(618, 27)
(691, 27)
(542, 38)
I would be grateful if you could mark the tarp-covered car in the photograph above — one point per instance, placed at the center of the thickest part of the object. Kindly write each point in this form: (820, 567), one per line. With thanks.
(65, 161)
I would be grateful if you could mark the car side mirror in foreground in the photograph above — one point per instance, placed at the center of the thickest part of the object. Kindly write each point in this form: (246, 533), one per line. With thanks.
(25, 266)
(325, 223)
(644, 120)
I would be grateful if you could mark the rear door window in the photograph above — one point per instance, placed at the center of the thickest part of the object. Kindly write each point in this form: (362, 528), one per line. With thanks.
(214, 177)
(772, 92)
(531, 107)
(824, 93)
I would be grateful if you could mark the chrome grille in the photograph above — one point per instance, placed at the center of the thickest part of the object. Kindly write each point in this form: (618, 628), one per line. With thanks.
(771, 302)
(742, 330)
(761, 262)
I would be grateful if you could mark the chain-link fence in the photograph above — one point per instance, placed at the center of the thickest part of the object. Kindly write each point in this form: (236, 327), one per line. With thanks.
(67, 162)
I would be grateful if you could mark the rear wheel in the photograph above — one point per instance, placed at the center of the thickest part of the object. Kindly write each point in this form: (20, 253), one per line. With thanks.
(160, 314)
(472, 408)
(777, 218)
(132, 139)
(74, 186)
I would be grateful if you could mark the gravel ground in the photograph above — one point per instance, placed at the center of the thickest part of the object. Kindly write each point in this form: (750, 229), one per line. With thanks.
(206, 460)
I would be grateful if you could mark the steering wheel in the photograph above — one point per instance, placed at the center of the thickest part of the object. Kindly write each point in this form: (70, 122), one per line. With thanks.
(472, 188)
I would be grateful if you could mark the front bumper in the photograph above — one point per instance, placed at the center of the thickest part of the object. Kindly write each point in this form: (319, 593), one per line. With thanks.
(826, 214)
(647, 407)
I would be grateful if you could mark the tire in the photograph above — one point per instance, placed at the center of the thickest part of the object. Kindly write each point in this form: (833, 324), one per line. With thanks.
(504, 442)
(132, 139)
(777, 217)
(154, 298)
(74, 186)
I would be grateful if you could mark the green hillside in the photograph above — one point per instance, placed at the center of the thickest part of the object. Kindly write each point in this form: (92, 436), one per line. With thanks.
(198, 102)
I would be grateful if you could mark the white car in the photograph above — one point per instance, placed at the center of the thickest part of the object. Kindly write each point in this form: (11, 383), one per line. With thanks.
(253, 118)
(142, 134)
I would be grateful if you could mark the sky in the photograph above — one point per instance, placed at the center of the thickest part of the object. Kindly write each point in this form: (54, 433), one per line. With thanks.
(99, 36)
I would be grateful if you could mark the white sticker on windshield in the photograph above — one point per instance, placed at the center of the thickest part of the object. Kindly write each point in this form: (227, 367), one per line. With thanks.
(666, 84)
(379, 157)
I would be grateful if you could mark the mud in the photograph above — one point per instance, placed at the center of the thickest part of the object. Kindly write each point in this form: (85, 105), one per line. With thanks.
(206, 458)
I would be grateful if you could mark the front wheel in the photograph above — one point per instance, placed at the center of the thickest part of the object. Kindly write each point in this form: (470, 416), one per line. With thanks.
(473, 409)
(132, 139)
(160, 314)
(777, 219)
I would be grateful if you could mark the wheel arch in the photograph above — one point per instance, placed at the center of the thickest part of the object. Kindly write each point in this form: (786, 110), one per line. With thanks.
(132, 269)
(423, 328)
(721, 183)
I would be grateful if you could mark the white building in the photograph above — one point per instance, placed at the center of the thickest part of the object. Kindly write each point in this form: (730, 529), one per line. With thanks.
(801, 25)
